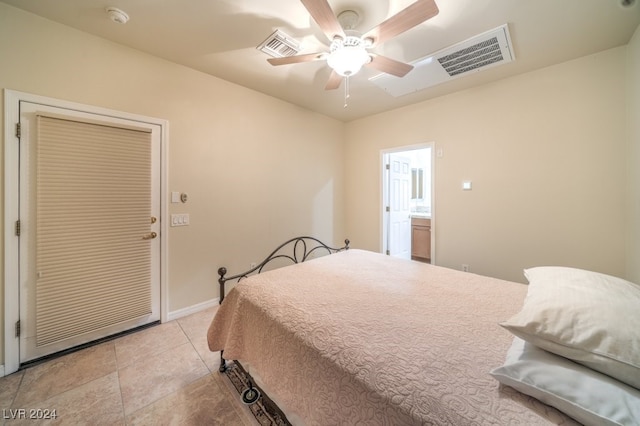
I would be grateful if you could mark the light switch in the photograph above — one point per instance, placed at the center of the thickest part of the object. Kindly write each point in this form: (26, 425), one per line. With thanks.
(181, 219)
(175, 197)
(466, 185)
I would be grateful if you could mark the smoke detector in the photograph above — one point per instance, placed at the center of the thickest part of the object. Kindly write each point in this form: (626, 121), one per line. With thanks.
(118, 16)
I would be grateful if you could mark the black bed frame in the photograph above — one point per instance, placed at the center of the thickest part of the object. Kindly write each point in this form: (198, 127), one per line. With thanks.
(295, 250)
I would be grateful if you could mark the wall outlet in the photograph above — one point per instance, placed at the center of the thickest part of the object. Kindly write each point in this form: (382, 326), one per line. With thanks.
(465, 267)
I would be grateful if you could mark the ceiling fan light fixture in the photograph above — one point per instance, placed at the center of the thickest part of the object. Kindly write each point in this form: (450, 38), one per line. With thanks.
(348, 56)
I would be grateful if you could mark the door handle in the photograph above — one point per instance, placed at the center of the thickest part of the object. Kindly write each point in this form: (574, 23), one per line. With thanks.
(150, 236)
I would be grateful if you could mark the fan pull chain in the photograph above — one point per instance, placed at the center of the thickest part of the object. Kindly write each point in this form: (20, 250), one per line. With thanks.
(346, 91)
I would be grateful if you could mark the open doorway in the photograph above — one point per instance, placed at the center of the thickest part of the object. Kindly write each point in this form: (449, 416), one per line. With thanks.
(407, 203)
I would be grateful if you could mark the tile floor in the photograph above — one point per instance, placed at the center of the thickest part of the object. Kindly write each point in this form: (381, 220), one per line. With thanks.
(163, 375)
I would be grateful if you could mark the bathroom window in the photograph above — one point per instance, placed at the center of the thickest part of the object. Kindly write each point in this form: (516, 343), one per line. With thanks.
(417, 184)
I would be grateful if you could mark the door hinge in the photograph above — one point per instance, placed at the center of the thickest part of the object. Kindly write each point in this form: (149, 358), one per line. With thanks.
(18, 130)
(387, 166)
(17, 228)
(388, 253)
(18, 328)
(388, 209)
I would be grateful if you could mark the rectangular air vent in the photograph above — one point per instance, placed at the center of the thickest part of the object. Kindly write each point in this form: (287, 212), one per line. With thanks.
(279, 45)
(475, 54)
(479, 55)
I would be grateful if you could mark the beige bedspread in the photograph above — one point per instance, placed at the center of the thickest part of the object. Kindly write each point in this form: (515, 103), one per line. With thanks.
(362, 338)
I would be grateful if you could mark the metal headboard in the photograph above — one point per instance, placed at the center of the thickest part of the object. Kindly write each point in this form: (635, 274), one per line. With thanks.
(295, 250)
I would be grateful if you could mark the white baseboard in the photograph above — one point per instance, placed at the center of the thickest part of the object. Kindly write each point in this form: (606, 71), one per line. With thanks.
(192, 309)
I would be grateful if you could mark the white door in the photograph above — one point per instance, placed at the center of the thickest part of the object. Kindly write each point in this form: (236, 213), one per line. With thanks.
(399, 236)
(89, 256)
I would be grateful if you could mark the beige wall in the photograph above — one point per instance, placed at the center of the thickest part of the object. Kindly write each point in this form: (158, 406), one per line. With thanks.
(633, 235)
(257, 170)
(546, 152)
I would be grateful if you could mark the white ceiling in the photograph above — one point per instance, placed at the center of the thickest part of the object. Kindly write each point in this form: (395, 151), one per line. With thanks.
(219, 37)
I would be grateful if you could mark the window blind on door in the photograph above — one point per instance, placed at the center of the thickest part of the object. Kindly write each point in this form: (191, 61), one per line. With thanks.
(93, 205)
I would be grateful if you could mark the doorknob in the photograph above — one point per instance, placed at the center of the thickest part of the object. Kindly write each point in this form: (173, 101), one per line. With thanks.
(150, 236)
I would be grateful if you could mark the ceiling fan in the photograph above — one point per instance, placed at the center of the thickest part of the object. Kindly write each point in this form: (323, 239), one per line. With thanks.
(348, 51)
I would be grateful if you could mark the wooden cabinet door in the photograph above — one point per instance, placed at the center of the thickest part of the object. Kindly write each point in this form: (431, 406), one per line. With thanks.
(421, 238)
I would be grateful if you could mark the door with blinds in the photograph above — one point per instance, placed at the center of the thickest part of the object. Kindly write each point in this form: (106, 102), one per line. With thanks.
(89, 219)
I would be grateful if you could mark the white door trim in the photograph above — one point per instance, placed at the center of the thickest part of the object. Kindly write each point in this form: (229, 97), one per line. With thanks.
(382, 227)
(12, 101)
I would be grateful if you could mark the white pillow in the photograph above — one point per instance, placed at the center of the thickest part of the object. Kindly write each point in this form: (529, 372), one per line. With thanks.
(591, 318)
(579, 392)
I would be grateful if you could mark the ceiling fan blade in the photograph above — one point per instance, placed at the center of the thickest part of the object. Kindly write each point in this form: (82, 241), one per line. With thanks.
(389, 66)
(322, 13)
(404, 20)
(296, 59)
(334, 81)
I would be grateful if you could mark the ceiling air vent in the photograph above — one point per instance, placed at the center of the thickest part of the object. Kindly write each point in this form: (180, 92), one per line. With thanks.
(279, 45)
(481, 52)
(477, 56)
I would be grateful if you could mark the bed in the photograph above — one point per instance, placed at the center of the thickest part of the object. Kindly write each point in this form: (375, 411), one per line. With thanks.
(357, 337)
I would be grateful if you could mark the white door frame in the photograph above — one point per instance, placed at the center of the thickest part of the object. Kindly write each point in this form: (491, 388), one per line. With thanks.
(12, 101)
(384, 196)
